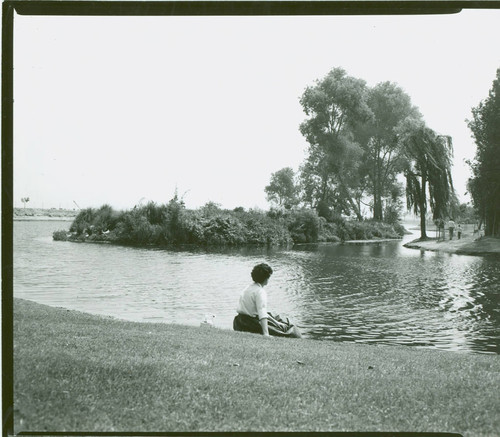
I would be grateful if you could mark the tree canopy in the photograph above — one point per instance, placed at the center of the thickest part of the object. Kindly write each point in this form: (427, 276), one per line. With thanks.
(334, 106)
(282, 189)
(484, 185)
(383, 159)
(359, 140)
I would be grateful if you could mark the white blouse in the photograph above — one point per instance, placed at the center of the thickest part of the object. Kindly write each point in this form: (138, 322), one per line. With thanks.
(253, 301)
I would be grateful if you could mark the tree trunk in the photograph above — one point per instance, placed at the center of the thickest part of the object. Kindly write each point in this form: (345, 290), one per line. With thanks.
(423, 210)
(349, 199)
(491, 224)
(487, 221)
(377, 196)
(324, 188)
(355, 208)
(377, 206)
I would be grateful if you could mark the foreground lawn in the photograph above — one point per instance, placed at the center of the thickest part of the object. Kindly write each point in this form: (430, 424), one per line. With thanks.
(78, 372)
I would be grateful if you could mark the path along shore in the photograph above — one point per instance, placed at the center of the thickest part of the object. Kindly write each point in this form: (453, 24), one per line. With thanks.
(469, 244)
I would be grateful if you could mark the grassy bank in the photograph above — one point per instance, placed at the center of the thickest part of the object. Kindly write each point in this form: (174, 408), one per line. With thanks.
(75, 371)
(468, 245)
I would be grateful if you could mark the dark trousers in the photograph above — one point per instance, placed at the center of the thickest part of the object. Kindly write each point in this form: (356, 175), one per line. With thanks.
(244, 322)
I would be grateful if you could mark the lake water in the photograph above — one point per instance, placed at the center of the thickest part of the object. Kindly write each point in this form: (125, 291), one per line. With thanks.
(370, 293)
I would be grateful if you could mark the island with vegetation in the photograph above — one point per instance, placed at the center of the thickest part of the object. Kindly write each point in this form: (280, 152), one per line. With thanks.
(172, 224)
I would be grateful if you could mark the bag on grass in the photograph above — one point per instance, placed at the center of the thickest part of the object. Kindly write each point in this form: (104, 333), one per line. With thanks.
(281, 328)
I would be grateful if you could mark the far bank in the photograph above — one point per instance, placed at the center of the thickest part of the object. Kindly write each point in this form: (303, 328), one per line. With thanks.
(468, 245)
(44, 214)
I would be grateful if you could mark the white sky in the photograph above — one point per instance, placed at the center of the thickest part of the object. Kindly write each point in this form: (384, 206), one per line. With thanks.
(118, 109)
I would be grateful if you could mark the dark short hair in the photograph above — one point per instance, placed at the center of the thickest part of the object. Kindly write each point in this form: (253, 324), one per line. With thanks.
(261, 272)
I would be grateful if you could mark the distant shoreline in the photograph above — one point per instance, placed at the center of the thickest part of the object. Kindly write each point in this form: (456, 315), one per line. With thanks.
(25, 214)
(43, 218)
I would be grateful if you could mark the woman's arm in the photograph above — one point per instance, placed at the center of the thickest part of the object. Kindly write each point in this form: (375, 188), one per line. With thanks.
(261, 304)
(263, 324)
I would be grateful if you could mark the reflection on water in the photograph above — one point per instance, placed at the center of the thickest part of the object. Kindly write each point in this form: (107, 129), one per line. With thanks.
(371, 293)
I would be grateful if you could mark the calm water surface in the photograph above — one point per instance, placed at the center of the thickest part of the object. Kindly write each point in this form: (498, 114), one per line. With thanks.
(371, 293)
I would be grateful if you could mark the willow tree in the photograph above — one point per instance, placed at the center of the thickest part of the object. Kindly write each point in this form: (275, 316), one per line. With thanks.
(427, 170)
(334, 106)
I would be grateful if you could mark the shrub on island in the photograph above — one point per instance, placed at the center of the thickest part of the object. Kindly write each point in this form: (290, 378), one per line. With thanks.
(60, 235)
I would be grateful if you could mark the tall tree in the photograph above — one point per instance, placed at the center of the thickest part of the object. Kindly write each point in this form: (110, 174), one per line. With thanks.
(427, 170)
(334, 105)
(484, 185)
(382, 161)
(282, 188)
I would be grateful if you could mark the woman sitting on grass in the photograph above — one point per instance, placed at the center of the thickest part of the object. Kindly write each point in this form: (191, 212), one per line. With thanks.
(252, 308)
